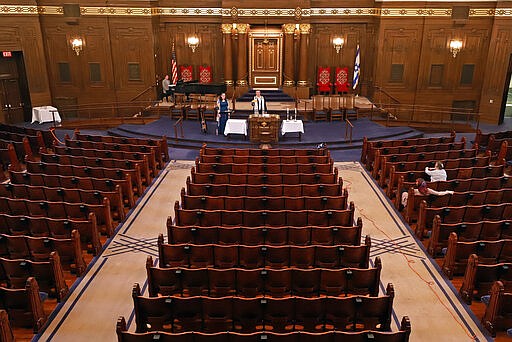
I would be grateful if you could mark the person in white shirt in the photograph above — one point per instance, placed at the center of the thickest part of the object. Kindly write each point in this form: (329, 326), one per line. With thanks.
(421, 189)
(436, 173)
(259, 104)
(165, 88)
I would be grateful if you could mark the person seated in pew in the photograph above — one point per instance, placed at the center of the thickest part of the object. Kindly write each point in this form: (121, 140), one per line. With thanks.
(421, 189)
(436, 173)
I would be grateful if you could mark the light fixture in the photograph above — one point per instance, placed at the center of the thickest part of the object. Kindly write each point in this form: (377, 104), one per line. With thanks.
(234, 30)
(296, 31)
(265, 40)
(193, 42)
(455, 47)
(77, 44)
(338, 43)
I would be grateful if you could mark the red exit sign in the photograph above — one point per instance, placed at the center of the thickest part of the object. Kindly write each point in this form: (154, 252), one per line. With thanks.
(6, 54)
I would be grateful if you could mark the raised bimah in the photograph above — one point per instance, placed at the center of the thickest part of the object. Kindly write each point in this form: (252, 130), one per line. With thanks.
(264, 128)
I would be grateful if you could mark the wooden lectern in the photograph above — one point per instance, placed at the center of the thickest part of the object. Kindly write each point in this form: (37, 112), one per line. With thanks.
(264, 129)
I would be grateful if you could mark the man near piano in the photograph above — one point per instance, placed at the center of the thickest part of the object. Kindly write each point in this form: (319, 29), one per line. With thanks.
(259, 104)
(222, 113)
(165, 88)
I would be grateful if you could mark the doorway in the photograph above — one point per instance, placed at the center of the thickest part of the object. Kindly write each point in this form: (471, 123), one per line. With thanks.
(14, 92)
(265, 58)
(506, 103)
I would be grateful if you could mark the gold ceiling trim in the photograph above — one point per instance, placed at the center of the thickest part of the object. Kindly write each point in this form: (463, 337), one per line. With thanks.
(297, 13)
(117, 11)
(195, 11)
(30, 10)
(416, 12)
(363, 11)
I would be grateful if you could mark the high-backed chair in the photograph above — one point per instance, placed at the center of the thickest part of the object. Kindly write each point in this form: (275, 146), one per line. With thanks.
(209, 110)
(324, 80)
(335, 108)
(341, 83)
(319, 110)
(194, 110)
(177, 110)
(351, 110)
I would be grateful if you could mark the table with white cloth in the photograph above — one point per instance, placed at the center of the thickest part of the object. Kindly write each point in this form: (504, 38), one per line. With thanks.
(45, 114)
(292, 126)
(236, 126)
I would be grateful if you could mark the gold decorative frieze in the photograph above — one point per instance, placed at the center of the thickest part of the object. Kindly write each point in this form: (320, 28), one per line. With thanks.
(265, 12)
(183, 11)
(234, 12)
(326, 12)
(416, 12)
(28, 10)
(117, 11)
(490, 12)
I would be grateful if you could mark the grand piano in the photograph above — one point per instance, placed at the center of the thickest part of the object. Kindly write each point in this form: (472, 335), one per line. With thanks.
(194, 87)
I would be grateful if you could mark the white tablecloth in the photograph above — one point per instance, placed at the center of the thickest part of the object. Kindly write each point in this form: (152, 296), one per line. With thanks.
(236, 126)
(44, 114)
(292, 126)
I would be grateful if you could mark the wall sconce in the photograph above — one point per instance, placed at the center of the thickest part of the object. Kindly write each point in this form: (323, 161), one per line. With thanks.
(234, 31)
(193, 42)
(455, 46)
(77, 44)
(338, 43)
(296, 32)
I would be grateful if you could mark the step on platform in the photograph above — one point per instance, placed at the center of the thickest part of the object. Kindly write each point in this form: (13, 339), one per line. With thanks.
(269, 95)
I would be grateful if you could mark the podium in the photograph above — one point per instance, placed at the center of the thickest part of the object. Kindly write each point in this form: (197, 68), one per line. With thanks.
(264, 129)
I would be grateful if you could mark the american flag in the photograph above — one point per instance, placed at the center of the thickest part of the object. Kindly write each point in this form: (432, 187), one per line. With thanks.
(174, 66)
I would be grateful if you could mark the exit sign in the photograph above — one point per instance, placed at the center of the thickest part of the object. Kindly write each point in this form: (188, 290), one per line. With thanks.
(6, 54)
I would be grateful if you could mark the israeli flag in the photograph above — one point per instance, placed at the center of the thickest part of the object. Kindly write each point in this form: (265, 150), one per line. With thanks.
(355, 80)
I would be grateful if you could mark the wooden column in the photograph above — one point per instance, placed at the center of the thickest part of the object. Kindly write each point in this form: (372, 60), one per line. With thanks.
(288, 68)
(305, 29)
(228, 54)
(228, 59)
(242, 71)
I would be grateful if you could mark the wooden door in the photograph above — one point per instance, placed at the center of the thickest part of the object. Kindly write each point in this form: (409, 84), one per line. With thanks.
(12, 107)
(265, 60)
(10, 94)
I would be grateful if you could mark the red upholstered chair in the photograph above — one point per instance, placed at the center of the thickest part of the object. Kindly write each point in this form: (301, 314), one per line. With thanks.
(205, 74)
(341, 83)
(324, 80)
(186, 73)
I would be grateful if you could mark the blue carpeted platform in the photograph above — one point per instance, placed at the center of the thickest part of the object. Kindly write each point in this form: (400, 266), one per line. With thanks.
(269, 95)
(332, 133)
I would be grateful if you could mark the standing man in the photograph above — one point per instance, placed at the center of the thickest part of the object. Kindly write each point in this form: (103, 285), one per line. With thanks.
(165, 88)
(259, 104)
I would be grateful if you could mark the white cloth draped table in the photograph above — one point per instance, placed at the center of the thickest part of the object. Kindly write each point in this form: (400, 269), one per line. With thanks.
(44, 114)
(292, 126)
(236, 126)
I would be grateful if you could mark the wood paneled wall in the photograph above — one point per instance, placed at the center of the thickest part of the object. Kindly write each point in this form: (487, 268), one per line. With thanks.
(323, 53)
(408, 56)
(209, 52)
(24, 34)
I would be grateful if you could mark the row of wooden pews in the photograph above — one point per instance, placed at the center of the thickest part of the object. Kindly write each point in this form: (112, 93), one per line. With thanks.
(275, 256)
(468, 231)
(57, 208)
